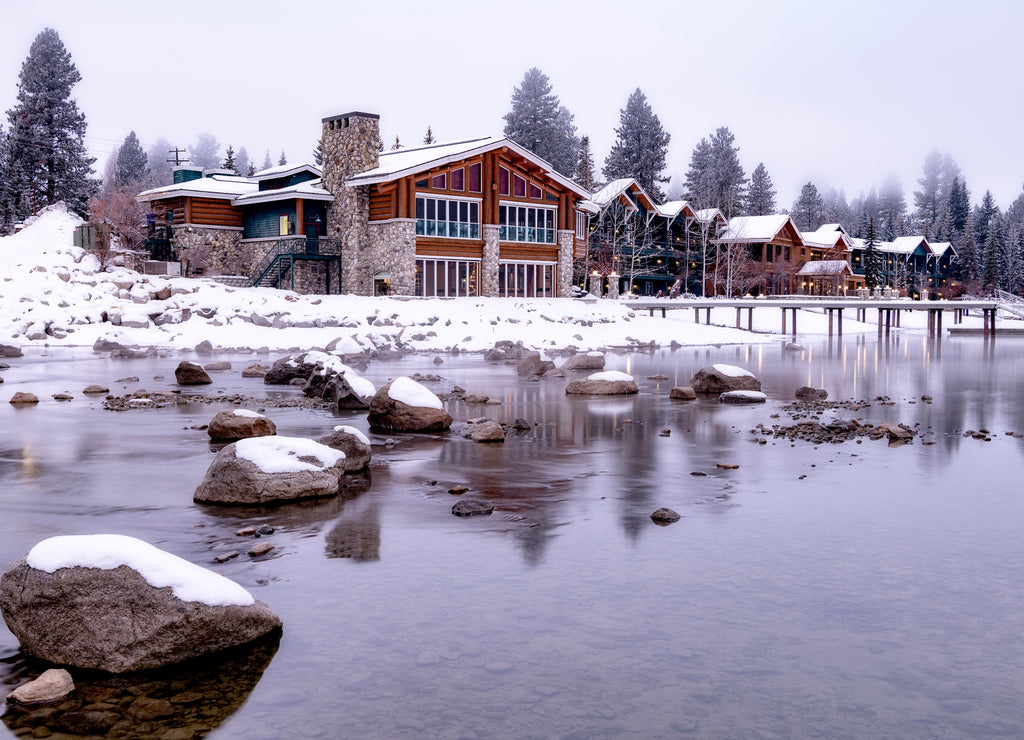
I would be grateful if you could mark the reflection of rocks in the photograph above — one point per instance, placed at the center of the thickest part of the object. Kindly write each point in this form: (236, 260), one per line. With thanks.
(356, 534)
(187, 700)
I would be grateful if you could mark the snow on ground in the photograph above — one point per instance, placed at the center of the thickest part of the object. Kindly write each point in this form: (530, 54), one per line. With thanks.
(160, 569)
(54, 293)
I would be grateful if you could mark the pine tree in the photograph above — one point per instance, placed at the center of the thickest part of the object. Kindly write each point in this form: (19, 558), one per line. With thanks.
(640, 148)
(397, 145)
(6, 217)
(761, 193)
(46, 156)
(809, 209)
(428, 138)
(994, 245)
(966, 265)
(538, 122)
(282, 160)
(242, 165)
(585, 166)
(229, 160)
(205, 152)
(926, 200)
(160, 170)
(873, 276)
(267, 164)
(983, 215)
(131, 162)
(716, 178)
(893, 208)
(959, 205)
(837, 210)
(318, 153)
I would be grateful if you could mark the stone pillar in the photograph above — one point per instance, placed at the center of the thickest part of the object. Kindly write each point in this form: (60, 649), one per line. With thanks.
(351, 145)
(613, 285)
(596, 281)
(489, 266)
(566, 239)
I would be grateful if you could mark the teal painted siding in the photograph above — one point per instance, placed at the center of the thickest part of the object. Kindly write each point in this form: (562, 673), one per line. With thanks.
(261, 220)
(286, 182)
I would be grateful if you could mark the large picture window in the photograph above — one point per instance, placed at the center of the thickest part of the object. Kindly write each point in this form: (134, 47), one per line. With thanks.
(452, 278)
(526, 223)
(527, 279)
(447, 217)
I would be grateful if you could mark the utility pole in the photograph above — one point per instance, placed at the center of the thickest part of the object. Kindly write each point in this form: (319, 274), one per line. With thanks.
(178, 158)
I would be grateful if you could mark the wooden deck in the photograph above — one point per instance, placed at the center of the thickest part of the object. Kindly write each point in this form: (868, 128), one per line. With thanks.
(889, 311)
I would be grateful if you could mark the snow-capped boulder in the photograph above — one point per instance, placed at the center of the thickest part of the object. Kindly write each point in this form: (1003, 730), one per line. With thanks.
(584, 361)
(352, 442)
(263, 470)
(739, 397)
(720, 378)
(234, 424)
(117, 604)
(189, 373)
(404, 405)
(608, 383)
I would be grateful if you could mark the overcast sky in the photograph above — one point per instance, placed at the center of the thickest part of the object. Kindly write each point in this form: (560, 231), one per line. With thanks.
(841, 94)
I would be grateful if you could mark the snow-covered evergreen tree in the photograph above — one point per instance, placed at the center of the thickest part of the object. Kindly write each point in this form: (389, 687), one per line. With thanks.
(397, 145)
(267, 163)
(927, 202)
(428, 138)
(959, 206)
(1012, 268)
(131, 162)
(983, 215)
(46, 156)
(837, 210)
(761, 193)
(873, 276)
(585, 166)
(967, 264)
(892, 206)
(640, 148)
(994, 245)
(242, 164)
(282, 160)
(318, 152)
(229, 159)
(6, 217)
(716, 178)
(540, 123)
(808, 211)
(160, 169)
(205, 152)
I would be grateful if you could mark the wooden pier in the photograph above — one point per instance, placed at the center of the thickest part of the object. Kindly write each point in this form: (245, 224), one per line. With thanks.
(889, 311)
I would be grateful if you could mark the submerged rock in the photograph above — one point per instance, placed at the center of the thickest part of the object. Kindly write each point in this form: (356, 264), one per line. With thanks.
(471, 507)
(51, 686)
(665, 516)
(682, 393)
(118, 604)
(24, 399)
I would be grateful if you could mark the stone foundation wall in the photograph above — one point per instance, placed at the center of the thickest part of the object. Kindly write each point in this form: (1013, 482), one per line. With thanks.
(213, 251)
(391, 247)
(489, 263)
(565, 250)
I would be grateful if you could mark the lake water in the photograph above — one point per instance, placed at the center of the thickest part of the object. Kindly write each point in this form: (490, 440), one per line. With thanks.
(842, 591)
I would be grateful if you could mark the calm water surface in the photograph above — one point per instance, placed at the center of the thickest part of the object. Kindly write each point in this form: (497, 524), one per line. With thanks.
(842, 591)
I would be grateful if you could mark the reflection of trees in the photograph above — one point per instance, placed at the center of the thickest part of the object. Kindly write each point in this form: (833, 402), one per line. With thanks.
(356, 534)
(168, 702)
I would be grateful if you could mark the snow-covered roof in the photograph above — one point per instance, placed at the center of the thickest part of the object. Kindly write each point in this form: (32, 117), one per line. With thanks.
(284, 170)
(756, 228)
(940, 248)
(215, 186)
(674, 207)
(907, 244)
(831, 227)
(589, 206)
(826, 237)
(824, 267)
(403, 162)
(612, 190)
(308, 190)
(709, 214)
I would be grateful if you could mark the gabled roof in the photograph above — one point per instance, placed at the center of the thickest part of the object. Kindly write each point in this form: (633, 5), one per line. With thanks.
(940, 248)
(401, 163)
(706, 215)
(621, 189)
(308, 190)
(908, 244)
(215, 186)
(758, 228)
(832, 227)
(285, 170)
(827, 238)
(825, 267)
(674, 207)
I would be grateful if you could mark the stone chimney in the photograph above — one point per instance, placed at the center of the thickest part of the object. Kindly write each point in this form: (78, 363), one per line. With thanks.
(351, 144)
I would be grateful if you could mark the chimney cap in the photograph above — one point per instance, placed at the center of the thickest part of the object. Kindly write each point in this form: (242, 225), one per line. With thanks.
(353, 114)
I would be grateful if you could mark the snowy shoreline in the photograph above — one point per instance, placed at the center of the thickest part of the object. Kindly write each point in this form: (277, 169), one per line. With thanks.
(53, 294)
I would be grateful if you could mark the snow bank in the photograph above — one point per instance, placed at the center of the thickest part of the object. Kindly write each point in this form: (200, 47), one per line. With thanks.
(411, 393)
(275, 454)
(160, 569)
(732, 371)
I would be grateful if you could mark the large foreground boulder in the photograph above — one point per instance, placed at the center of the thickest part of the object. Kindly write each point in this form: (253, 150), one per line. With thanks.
(608, 383)
(721, 378)
(352, 442)
(263, 470)
(404, 405)
(118, 604)
(234, 424)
